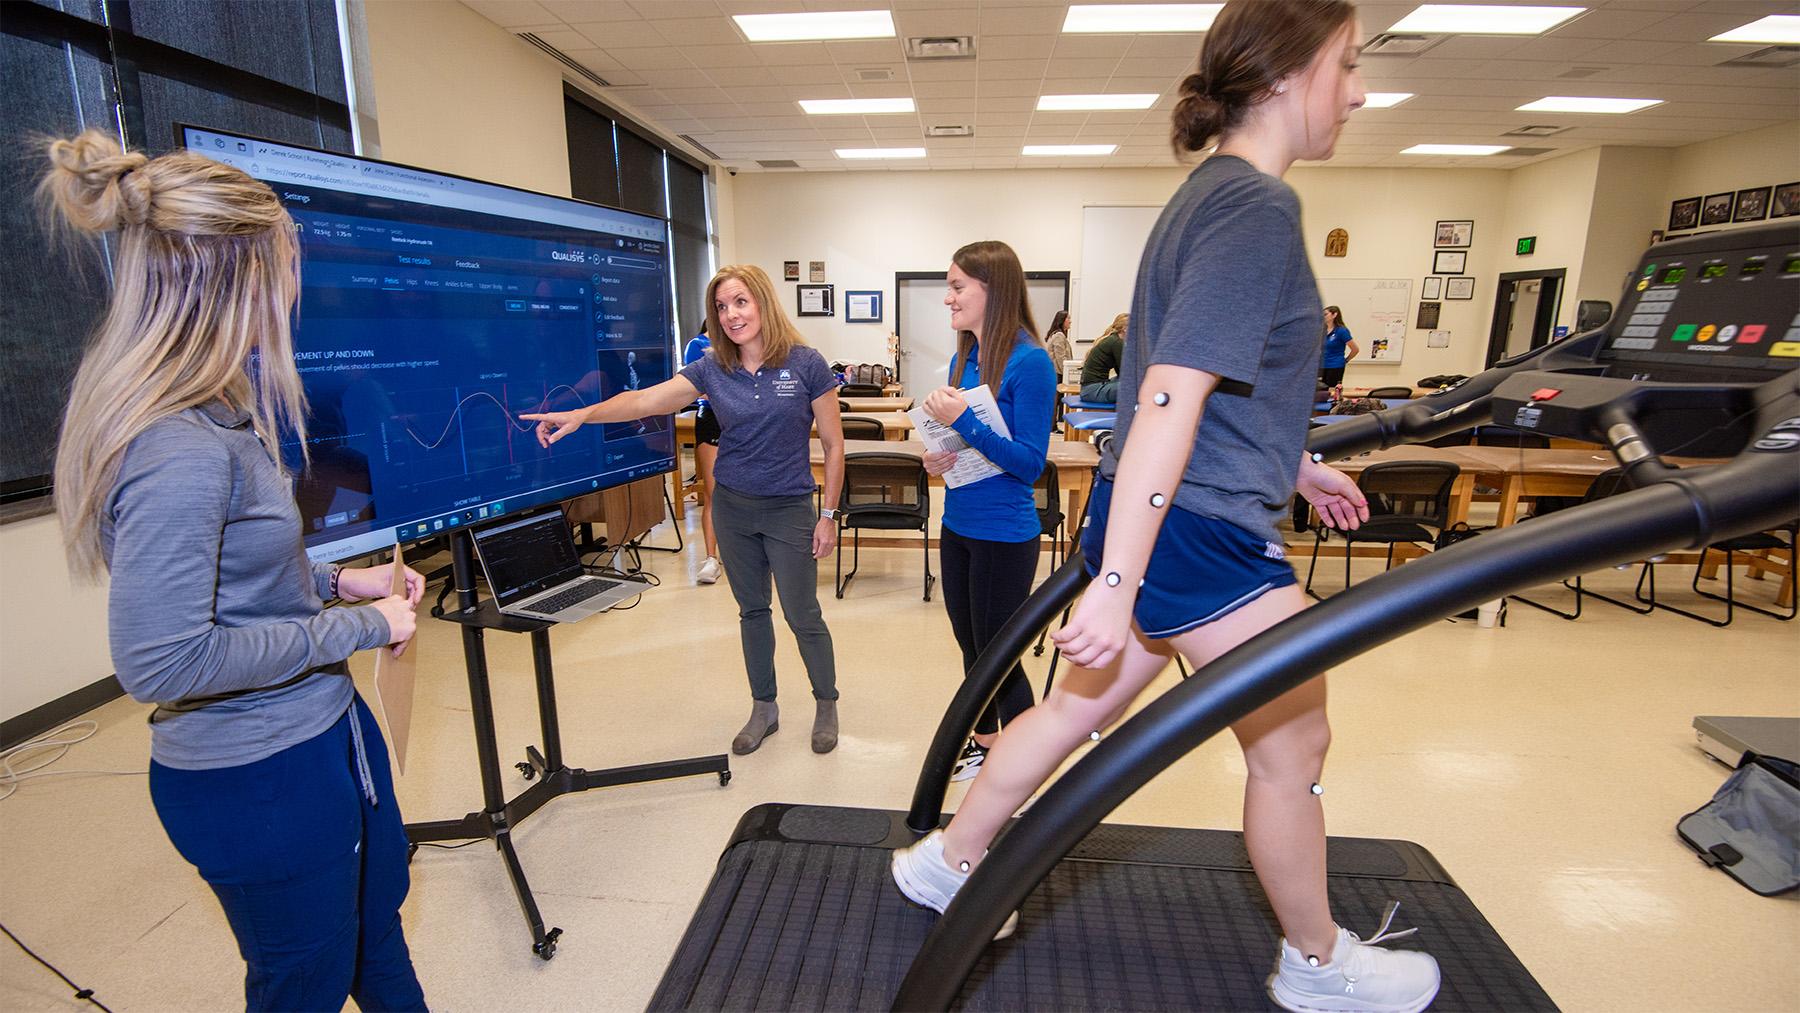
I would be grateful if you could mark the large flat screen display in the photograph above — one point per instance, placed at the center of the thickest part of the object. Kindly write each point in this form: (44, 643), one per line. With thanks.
(434, 311)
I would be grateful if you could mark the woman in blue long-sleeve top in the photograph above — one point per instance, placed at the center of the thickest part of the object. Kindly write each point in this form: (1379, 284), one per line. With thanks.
(989, 546)
(268, 772)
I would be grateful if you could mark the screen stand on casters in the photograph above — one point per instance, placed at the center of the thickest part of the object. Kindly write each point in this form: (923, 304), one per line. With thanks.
(497, 816)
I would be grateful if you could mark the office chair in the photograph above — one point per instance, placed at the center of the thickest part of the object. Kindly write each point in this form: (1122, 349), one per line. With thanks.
(1409, 501)
(863, 429)
(884, 492)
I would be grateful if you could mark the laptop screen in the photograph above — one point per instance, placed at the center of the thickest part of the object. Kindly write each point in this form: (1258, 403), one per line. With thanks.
(528, 555)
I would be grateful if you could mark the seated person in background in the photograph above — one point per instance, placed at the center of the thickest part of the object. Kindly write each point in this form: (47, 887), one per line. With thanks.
(1057, 341)
(1100, 370)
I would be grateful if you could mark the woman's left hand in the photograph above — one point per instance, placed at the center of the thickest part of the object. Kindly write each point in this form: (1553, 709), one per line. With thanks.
(946, 404)
(824, 537)
(1340, 503)
(377, 582)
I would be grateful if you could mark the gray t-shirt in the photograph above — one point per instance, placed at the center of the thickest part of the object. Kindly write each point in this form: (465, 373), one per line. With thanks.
(211, 593)
(1225, 287)
(765, 420)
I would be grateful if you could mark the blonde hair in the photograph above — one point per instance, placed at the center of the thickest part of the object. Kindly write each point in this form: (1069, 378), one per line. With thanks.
(1118, 326)
(779, 335)
(205, 276)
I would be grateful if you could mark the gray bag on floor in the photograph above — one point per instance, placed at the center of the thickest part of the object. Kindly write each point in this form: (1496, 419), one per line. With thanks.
(1751, 828)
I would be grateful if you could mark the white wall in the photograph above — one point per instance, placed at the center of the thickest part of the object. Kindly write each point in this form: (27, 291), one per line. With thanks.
(1550, 200)
(52, 629)
(1766, 157)
(1628, 205)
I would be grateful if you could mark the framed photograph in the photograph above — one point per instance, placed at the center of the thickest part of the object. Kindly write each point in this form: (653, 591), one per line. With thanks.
(1454, 235)
(1449, 262)
(1752, 205)
(1459, 288)
(814, 300)
(1716, 208)
(1655, 236)
(1684, 214)
(1787, 201)
(862, 307)
(1428, 315)
(790, 270)
(815, 270)
(1432, 289)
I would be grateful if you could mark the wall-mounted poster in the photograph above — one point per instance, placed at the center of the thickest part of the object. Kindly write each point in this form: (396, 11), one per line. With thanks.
(862, 307)
(1385, 349)
(814, 300)
(1716, 208)
(1684, 214)
(815, 270)
(1454, 235)
(1787, 201)
(1428, 315)
(790, 270)
(1752, 205)
(1459, 288)
(1449, 261)
(1432, 289)
(1437, 339)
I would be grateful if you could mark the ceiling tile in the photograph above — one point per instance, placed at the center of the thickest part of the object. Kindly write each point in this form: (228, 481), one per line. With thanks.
(513, 13)
(710, 31)
(734, 77)
(944, 19)
(1011, 70)
(1009, 89)
(1084, 68)
(722, 56)
(811, 75)
(650, 58)
(1014, 47)
(610, 35)
(942, 70)
(791, 54)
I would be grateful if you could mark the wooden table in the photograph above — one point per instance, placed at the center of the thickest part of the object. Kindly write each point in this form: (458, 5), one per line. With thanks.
(1075, 465)
(1364, 391)
(876, 404)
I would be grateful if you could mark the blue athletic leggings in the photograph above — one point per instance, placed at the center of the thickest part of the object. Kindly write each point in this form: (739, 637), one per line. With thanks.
(310, 874)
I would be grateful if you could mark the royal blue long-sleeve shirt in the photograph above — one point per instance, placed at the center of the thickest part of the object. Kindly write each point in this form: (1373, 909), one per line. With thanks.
(1001, 508)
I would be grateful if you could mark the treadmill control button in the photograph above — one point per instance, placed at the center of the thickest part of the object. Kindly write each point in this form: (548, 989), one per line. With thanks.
(1544, 393)
(1751, 334)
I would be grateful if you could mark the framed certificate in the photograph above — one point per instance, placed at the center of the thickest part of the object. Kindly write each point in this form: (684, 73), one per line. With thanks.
(862, 307)
(1449, 261)
(1432, 289)
(1459, 288)
(814, 300)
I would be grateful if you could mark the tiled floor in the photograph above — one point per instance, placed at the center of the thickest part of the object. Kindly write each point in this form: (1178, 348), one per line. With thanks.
(1545, 765)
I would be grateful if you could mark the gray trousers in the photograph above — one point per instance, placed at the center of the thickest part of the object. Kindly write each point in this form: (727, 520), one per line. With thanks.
(764, 535)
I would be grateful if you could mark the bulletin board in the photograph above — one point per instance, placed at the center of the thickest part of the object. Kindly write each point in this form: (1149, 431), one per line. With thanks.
(1375, 310)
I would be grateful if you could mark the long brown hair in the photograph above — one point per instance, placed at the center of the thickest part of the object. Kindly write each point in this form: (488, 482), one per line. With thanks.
(1337, 319)
(205, 276)
(995, 265)
(779, 335)
(1251, 46)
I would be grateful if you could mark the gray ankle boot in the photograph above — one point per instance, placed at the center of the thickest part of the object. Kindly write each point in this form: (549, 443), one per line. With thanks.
(765, 719)
(825, 727)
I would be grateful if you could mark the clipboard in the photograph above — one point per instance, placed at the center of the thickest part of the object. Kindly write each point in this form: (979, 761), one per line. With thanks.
(394, 677)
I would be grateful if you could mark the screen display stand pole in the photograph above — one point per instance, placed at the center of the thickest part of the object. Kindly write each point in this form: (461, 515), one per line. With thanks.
(498, 815)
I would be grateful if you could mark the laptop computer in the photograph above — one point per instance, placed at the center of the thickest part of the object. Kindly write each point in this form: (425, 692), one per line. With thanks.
(534, 571)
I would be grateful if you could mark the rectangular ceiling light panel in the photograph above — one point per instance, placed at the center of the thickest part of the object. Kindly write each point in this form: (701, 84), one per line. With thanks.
(1050, 103)
(1578, 104)
(1067, 150)
(1455, 149)
(1483, 19)
(881, 152)
(1098, 18)
(1776, 29)
(1385, 99)
(809, 27)
(854, 106)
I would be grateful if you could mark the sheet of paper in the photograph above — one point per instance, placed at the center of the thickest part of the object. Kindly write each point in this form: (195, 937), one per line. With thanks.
(394, 681)
(970, 466)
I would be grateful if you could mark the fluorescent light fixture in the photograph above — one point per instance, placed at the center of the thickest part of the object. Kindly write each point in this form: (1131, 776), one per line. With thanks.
(1776, 29)
(1456, 149)
(1385, 99)
(1096, 18)
(827, 25)
(1483, 19)
(1577, 104)
(1050, 103)
(881, 152)
(842, 106)
(1054, 150)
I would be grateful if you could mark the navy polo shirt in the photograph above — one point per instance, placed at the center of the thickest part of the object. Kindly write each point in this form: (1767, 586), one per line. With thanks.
(765, 420)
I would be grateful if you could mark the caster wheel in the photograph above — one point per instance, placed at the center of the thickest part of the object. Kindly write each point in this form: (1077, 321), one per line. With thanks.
(724, 778)
(526, 770)
(547, 949)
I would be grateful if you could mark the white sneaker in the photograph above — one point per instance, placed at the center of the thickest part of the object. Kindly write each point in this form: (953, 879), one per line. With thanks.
(969, 763)
(928, 881)
(710, 571)
(1359, 977)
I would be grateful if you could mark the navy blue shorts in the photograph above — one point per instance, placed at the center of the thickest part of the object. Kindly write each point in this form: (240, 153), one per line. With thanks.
(1201, 569)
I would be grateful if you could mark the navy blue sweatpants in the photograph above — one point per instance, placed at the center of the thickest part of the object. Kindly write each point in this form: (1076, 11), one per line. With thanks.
(310, 874)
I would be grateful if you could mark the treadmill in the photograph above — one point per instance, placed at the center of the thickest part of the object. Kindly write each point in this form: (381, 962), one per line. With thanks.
(801, 914)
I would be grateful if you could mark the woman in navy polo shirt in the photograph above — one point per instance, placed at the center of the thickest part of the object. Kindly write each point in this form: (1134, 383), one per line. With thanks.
(768, 389)
(989, 543)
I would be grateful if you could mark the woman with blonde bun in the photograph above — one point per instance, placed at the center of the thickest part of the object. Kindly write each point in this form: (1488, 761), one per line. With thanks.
(267, 770)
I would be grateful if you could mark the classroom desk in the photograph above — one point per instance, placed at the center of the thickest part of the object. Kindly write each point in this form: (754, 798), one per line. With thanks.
(1075, 465)
(1068, 388)
(1417, 392)
(876, 404)
(1081, 425)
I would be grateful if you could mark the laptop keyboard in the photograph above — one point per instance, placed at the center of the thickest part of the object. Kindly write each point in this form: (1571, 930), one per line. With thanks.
(572, 596)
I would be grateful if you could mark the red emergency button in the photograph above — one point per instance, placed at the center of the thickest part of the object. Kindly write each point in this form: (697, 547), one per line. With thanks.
(1545, 393)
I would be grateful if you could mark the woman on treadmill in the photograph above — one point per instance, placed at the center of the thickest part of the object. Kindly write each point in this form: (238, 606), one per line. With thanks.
(769, 390)
(1214, 396)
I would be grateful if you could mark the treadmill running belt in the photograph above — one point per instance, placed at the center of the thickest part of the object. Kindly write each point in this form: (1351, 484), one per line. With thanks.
(801, 915)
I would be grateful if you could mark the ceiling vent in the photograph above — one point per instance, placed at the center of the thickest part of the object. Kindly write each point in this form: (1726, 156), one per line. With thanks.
(950, 130)
(563, 58)
(1773, 56)
(940, 47)
(1579, 72)
(1526, 152)
(778, 163)
(703, 149)
(1390, 44)
(874, 73)
(1535, 130)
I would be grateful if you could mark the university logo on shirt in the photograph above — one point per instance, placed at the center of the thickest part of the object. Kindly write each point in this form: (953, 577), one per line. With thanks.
(785, 375)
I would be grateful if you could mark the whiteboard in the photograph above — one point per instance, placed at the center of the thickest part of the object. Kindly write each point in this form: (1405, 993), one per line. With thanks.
(1112, 243)
(1375, 310)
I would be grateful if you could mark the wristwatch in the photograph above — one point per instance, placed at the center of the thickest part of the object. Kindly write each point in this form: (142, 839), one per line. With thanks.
(828, 514)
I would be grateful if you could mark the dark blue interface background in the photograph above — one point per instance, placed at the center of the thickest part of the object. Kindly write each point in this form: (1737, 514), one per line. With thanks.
(424, 332)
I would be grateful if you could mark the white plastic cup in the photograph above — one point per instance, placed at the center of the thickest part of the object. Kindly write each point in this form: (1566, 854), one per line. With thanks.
(1488, 616)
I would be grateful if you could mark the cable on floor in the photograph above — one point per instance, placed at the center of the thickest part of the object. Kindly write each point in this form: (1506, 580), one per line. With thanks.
(22, 762)
(80, 993)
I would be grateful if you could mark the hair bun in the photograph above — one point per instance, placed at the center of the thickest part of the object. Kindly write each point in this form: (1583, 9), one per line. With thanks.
(1199, 116)
(94, 183)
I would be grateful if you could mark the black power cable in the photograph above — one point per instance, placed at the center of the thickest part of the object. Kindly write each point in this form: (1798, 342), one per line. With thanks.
(80, 993)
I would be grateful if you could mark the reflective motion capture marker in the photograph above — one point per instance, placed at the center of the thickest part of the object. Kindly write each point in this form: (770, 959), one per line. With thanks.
(1095, 735)
(1318, 789)
(1112, 580)
(1310, 959)
(1161, 398)
(964, 866)
(1157, 500)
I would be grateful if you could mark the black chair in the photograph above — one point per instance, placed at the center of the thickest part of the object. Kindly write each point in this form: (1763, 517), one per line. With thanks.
(1409, 501)
(1396, 393)
(1780, 538)
(1607, 483)
(1047, 497)
(863, 429)
(884, 492)
(860, 390)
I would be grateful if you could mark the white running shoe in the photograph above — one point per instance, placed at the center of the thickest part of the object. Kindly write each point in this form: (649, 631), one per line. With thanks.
(710, 571)
(969, 763)
(1360, 977)
(928, 881)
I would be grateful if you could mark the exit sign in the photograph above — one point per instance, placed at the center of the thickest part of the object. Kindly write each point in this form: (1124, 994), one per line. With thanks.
(1527, 245)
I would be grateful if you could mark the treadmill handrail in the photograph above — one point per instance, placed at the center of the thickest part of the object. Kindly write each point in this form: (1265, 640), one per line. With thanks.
(1753, 492)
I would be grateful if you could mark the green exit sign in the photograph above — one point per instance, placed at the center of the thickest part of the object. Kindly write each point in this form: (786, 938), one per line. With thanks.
(1527, 245)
